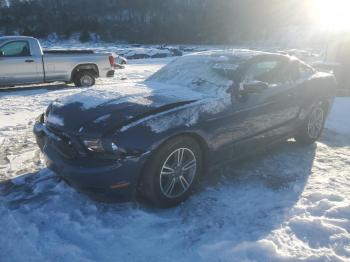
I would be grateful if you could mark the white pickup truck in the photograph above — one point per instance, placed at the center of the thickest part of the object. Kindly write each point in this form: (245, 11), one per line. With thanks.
(23, 61)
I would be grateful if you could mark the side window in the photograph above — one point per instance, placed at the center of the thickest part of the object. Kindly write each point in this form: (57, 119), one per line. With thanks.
(298, 71)
(294, 71)
(16, 49)
(264, 71)
(226, 70)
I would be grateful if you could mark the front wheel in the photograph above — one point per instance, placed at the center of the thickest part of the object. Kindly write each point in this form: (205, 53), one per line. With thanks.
(84, 79)
(173, 172)
(313, 126)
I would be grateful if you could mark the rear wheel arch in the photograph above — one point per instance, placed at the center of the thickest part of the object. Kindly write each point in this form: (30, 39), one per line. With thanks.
(326, 104)
(312, 127)
(92, 68)
(323, 101)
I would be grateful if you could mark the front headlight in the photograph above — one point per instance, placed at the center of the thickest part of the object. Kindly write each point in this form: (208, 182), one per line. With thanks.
(101, 146)
(94, 145)
(40, 118)
(48, 109)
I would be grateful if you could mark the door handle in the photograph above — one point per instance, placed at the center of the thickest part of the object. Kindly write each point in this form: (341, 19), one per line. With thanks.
(29, 61)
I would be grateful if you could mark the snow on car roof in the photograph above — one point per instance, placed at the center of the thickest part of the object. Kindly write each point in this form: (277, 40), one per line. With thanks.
(242, 53)
(200, 70)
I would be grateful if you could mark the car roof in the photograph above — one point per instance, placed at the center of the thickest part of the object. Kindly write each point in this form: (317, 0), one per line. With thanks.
(15, 37)
(242, 54)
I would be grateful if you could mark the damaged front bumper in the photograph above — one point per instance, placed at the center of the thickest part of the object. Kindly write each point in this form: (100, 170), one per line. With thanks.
(105, 179)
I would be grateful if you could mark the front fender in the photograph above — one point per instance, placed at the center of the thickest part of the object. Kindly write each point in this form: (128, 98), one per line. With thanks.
(147, 134)
(143, 139)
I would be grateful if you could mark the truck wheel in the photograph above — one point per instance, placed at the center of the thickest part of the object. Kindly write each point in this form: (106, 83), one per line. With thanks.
(84, 79)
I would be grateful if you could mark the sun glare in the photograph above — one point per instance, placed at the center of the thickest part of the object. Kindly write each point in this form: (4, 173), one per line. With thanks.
(332, 14)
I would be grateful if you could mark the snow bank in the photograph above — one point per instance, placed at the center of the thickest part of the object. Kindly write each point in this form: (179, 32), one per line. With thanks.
(142, 52)
(127, 51)
(340, 116)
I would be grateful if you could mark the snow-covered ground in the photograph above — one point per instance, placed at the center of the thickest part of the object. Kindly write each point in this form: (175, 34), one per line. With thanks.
(137, 51)
(125, 50)
(290, 204)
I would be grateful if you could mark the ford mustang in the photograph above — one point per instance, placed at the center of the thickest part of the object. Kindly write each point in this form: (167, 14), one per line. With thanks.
(156, 138)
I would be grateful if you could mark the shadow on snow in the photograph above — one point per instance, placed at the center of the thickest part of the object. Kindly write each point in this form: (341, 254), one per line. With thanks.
(236, 202)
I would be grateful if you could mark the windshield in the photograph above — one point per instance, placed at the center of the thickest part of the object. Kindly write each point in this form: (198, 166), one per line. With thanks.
(200, 70)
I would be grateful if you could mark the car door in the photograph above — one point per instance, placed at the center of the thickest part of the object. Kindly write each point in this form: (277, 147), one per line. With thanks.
(263, 100)
(18, 65)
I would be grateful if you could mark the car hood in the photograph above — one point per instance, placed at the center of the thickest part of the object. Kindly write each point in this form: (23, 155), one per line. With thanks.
(96, 114)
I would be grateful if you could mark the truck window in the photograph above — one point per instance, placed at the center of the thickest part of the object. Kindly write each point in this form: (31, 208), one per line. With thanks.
(16, 49)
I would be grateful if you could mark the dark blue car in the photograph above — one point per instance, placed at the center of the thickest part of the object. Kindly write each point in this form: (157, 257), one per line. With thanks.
(156, 138)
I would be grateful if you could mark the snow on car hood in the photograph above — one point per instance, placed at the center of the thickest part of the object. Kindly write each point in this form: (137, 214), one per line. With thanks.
(197, 77)
(106, 109)
(137, 93)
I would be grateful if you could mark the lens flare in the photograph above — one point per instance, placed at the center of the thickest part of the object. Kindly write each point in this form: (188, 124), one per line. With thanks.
(331, 14)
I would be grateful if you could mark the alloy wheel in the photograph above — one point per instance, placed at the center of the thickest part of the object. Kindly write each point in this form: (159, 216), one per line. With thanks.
(178, 172)
(315, 123)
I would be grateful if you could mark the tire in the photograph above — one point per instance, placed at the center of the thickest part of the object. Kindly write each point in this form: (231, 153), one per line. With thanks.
(84, 79)
(164, 183)
(312, 128)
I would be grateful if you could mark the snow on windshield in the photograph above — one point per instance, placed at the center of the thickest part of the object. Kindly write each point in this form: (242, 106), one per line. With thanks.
(200, 69)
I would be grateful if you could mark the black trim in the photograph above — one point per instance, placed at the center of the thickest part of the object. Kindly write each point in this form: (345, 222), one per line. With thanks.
(68, 52)
(110, 73)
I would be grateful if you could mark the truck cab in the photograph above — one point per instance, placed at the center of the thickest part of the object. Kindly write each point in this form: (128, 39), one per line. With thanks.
(23, 52)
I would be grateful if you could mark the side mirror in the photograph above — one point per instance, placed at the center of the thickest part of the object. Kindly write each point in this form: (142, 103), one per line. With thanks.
(252, 87)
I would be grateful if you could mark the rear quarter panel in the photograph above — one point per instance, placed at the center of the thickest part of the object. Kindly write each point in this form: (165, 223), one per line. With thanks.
(321, 86)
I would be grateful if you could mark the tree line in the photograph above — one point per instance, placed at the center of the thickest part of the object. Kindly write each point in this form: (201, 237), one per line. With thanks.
(152, 21)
